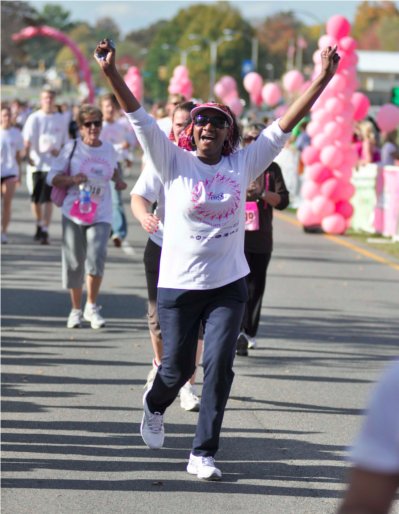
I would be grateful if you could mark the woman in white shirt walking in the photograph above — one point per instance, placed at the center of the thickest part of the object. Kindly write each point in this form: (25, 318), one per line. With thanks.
(203, 266)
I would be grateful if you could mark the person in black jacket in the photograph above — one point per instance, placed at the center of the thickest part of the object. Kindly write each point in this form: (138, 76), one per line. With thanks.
(268, 191)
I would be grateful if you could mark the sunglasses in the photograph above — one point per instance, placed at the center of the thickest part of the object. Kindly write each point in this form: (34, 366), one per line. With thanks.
(96, 123)
(219, 122)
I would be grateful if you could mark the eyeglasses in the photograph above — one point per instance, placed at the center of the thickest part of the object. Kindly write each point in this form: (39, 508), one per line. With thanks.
(96, 123)
(219, 122)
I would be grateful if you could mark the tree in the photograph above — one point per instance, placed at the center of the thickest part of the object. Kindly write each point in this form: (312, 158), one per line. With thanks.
(276, 34)
(14, 17)
(368, 27)
(198, 25)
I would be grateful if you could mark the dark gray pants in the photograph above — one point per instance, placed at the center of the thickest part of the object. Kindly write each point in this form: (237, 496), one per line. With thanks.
(180, 313)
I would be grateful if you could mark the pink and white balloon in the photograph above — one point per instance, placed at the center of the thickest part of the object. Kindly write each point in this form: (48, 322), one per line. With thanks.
(327, 189)
(180, 82)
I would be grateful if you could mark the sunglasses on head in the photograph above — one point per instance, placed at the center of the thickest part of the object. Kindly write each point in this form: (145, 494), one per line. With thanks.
(96, 123)
(216, 121)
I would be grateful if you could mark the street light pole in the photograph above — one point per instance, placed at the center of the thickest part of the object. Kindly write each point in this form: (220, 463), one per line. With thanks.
(212, 70)
(184, 53)
(213, 46)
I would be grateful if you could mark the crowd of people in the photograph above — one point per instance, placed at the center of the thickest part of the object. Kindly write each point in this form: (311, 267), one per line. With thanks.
(205, 196)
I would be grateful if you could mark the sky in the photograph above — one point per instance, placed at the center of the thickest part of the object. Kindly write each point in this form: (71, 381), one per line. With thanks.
(136, 14)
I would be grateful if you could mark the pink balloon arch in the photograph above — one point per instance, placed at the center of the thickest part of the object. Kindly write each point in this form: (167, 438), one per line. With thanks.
(45, 31)
(329, 159)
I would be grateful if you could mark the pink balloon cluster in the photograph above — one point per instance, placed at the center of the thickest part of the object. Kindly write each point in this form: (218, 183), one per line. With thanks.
(180, 82)
(134, 82)
(330, 157)
(226, 90)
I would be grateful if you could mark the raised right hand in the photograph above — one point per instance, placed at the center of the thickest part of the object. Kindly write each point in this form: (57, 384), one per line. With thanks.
(104, 54)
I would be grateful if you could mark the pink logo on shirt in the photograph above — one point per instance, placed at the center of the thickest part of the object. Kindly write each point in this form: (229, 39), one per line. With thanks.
(215, 200)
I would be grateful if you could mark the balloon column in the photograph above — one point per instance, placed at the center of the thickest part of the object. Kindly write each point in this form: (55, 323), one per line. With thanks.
(330, 157)
(180, 82)
(226, 90)
(134, 82)
(45, 31)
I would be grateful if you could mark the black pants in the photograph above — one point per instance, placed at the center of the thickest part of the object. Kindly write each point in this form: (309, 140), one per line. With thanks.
(256, 283)
(180, 314)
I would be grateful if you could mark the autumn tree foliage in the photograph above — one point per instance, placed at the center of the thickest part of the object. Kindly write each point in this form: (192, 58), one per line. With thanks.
(376, 26)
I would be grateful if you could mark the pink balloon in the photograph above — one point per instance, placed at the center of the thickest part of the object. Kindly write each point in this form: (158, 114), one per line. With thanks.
(310, 189)
(236, 106)
(322, 140)
(180, 72)
(327, 40)
(330, 157)
(388, 117)
(317, 172)
(219, 90)
(334, 224)
(174, 89)
(229, 83)
(361, 105)
(253, 83)
(322, 206)
(334, 106)
(230, 97)
(306, 216)
(310, 155)
(337, 83)
(292, 81)
(333, 129)
(344, 208)
(329, 188)
(344, 172)
(345, 191)
(313, 128)
(348, 44)
(271, 94)
(338, 27)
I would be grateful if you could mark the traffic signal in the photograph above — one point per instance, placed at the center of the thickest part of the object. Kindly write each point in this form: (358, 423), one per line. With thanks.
(395, 95)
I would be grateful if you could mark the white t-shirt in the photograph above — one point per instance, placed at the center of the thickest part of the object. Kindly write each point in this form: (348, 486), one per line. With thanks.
(11, 142)
(150, 187)
(203, 244)
(377, 445)
(45, 132)
(117, 133)
(98, 163)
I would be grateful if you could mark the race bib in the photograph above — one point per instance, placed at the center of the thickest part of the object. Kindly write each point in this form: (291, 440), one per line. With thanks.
(251, 216)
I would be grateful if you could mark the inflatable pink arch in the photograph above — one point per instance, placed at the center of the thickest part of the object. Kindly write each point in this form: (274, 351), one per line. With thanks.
(45, 31)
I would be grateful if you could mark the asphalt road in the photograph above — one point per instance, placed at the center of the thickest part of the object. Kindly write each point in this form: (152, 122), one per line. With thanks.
(72, 399)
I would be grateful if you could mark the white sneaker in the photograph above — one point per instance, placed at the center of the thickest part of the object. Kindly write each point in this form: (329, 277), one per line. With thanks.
(152, 429)
(151, 375)
(203, 467)
(188, 398)
(92, 314)
(74, 319)
(251, 342)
